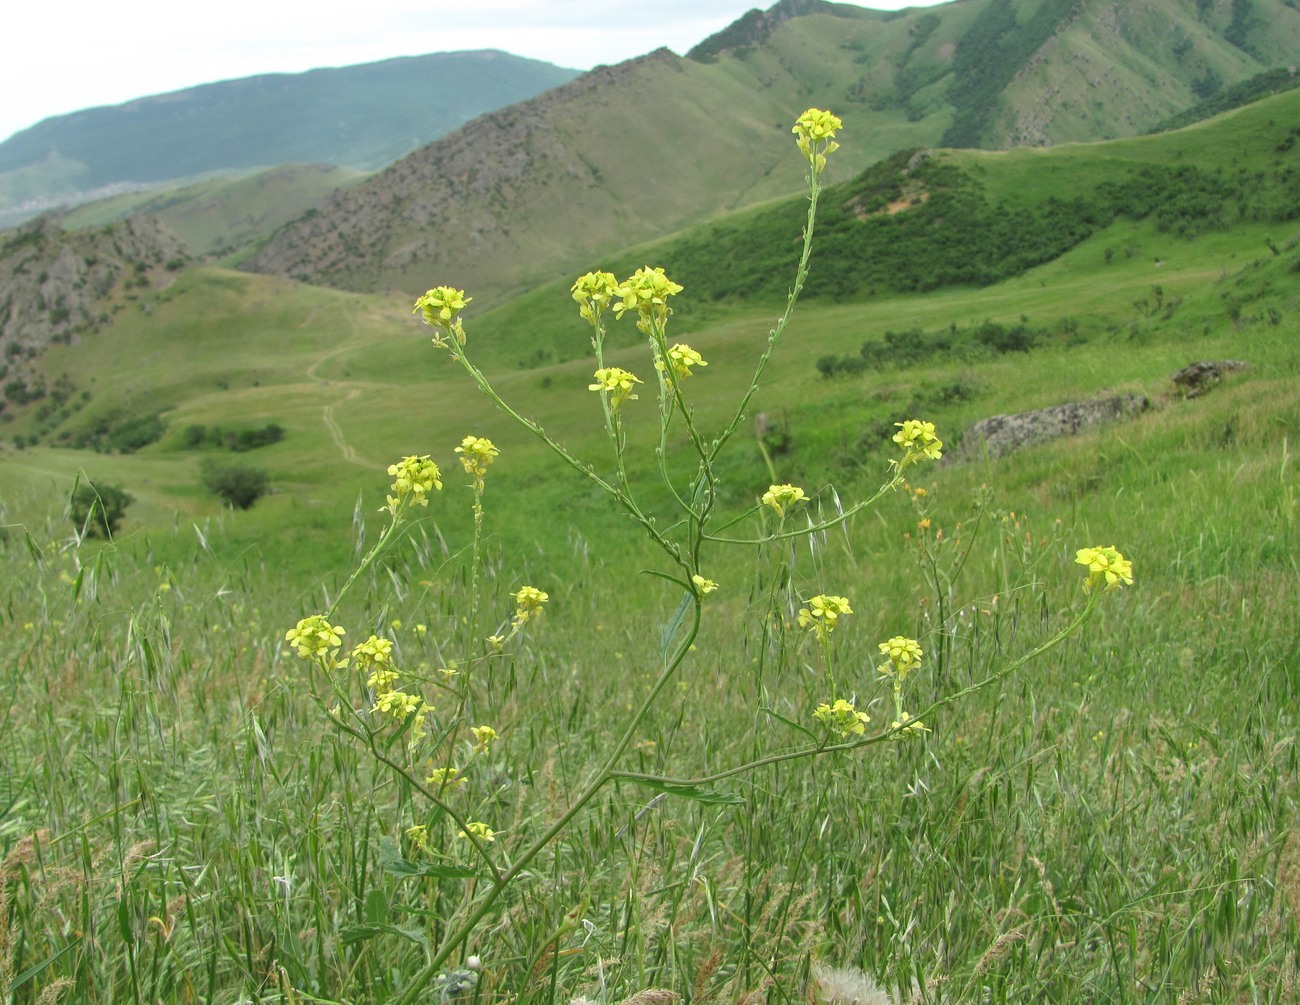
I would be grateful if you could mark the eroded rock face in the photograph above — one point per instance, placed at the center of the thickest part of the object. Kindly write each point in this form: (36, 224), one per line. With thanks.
(1195, 379)
(1001, 434)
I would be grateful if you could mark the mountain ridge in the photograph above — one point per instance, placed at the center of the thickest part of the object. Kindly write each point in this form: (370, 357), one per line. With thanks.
(362, 116)
(989, 73)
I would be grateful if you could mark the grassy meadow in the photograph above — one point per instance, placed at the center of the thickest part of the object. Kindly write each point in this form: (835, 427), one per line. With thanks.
(1114, 821)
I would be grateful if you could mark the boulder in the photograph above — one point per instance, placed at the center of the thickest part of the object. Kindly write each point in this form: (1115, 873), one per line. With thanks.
(1195, 379)
(1001, 434)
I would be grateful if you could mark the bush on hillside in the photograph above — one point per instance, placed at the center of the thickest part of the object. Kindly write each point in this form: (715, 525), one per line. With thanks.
(97, 510)
(239, 485)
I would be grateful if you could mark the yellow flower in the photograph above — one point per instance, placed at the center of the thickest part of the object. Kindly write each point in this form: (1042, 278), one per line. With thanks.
(414, 478)
(479, 829)
(314, 636)
(1105, 565)
(682, 357)
(617, 382)
(594, 292)
(814, 131)
(418, 836)
(782, 497)
(441, 307)
(528, 602)
(646, 291)
(822, 613)
(904, 656)
(399, 704)
(905, 727)
(445, 778)
(476, 453)
(483, 737)
(842, 718)
(703, 585)
(373, 652)
(917, 440)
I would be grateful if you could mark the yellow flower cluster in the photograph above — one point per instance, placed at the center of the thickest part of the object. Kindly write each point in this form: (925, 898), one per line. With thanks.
(703, 585)
(1105, 565)
(483, 737)
(616, 382)
(314, 636)
(528, 603)
(814, 131)
(904, 657)
(917, 440)
(682, 357)
(822, 614)
(413, 479)
(476, 453)
(905, 727)
(479, 829)
(842, 718)
(646, 291)
(594, 292)
(445, 778)
(782, 497)
(441, 307)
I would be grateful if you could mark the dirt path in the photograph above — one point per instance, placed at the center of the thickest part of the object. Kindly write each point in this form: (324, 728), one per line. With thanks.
(336, 434)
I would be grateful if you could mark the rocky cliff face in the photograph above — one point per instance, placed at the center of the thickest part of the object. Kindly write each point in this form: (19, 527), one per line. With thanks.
(53, 283)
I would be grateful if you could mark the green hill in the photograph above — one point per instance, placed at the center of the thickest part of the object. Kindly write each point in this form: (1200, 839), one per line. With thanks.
(361, 117)
(635, 152)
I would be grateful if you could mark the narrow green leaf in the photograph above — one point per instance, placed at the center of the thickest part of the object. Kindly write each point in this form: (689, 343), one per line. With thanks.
(789, 722)
(711, 796)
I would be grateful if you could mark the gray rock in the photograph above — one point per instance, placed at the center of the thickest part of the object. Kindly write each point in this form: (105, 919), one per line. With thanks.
(1001, 434)
(1195, 379)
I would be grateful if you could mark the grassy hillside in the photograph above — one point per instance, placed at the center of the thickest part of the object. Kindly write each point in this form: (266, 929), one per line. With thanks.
(220, 215)
(1113, 821)
(361, 117)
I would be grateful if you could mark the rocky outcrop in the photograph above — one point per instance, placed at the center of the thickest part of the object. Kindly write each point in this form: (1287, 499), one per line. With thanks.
(1001, 434)
(52, 282)
(1195, 379)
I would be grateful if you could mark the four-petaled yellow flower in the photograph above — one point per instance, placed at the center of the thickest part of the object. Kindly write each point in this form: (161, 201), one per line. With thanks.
(703, 585)
(483, 737)
(782, 497)
(617, 382)
(479, 829)
(528, 603)
(814, 131)
(917, 440)
(399, 704)
(822, 613)
(476, 453)
(374, 652)
(682, 357)
(594, 292)
(1105, 565)
(414, 478)
(842, 718)
(904, 657)
(646, 291)
(314, 636)
(441, 307)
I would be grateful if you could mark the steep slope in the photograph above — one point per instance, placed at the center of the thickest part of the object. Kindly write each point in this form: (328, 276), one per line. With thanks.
(361, 116)
(629, 153)
(53, 285)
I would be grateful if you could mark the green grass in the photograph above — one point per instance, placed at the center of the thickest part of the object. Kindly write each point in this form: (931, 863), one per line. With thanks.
(1113, 822)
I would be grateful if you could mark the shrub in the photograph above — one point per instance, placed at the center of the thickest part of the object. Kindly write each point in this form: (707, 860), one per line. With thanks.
(239, 485)
(98, 508)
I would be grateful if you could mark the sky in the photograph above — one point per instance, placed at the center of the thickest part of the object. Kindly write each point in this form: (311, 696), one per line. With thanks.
(59, 57)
